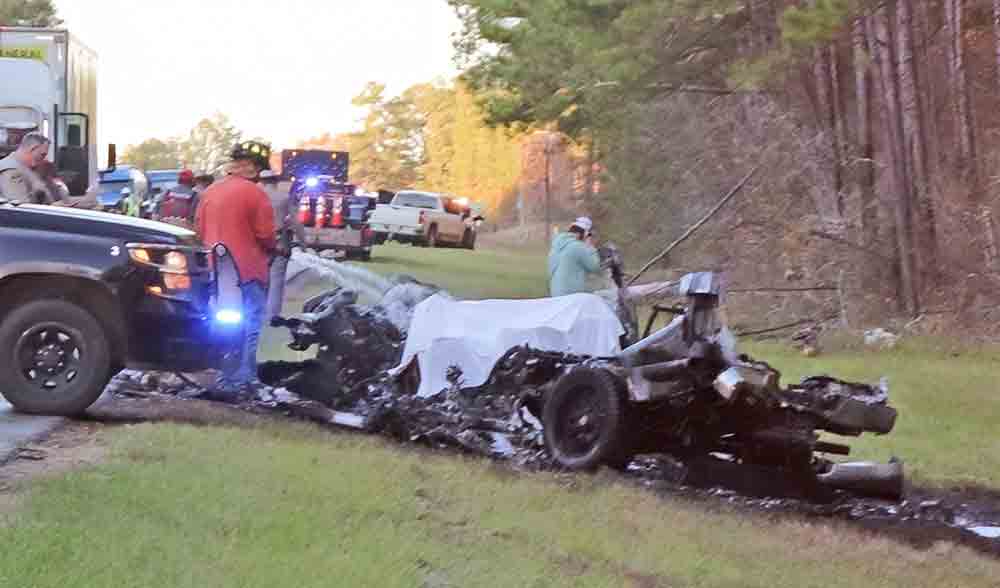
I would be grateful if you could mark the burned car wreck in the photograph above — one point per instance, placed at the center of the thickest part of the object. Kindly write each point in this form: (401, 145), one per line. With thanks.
(682, 390)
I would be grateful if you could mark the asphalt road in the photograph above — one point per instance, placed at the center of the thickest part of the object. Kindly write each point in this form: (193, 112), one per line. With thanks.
(18, 429)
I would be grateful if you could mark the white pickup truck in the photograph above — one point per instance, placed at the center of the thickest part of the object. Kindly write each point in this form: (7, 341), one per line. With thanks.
(426, 219)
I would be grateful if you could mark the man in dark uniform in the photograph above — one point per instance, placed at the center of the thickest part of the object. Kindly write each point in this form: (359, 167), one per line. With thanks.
(18, 179)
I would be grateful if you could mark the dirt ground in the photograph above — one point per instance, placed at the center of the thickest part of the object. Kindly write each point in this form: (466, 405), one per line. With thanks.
(926, 518)
(76, 445)
(79, 444)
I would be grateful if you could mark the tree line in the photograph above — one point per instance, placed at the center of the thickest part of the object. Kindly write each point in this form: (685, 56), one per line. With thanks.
(433, 137)
(875, 122)
(28, 13)
(204, 149)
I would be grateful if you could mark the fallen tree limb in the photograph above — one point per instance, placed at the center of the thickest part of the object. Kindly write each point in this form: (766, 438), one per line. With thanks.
(852, 245)
(687, 234)
(787, 326)
(802, 289)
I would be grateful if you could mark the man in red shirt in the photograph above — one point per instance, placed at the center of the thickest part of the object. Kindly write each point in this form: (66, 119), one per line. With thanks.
(178, 202)
(237, 213)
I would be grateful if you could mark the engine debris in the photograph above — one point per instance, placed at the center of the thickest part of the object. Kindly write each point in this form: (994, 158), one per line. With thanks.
(682, 390)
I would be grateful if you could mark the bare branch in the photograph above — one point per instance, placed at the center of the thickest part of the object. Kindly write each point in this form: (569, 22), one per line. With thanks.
(697, 225)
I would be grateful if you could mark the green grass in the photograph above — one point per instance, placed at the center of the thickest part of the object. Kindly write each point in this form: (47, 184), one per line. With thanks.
(289, 506)
(949, 406)
(473, 275)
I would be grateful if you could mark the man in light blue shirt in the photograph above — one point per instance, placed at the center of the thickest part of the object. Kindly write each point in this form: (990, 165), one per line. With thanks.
(573, 257)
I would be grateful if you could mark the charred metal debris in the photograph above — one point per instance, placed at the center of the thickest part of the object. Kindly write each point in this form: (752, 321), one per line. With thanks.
(682, 391)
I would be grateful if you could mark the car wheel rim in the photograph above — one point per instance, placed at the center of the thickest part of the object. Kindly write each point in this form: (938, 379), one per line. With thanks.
(49, 357)
(581, 422)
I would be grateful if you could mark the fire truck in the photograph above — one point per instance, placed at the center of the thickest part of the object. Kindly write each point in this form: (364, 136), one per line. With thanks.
(333, 212)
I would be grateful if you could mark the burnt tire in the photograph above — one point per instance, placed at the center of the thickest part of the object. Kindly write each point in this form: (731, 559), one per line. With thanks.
(55, 358)
(363, 256)
(585, 420)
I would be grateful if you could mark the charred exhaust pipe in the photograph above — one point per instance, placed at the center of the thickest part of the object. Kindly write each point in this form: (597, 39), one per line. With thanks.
(665, 370)
(883, 480)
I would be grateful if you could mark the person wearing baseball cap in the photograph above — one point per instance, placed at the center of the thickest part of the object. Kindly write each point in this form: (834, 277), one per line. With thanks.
(238, 213)
(573, 257)
(179, 203)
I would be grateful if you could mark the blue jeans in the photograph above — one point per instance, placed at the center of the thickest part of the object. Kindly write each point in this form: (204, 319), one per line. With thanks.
(243, 371)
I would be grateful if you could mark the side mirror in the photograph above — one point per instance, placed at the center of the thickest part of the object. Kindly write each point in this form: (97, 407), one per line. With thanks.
(112, 159)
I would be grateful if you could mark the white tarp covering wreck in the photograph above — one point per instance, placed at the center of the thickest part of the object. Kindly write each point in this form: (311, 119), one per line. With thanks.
(474, 335)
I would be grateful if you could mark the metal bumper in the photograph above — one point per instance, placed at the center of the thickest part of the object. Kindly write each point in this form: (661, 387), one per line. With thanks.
(173, 335)
(394, 231)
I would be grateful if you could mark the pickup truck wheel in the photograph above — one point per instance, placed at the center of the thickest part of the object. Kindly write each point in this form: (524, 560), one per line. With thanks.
(469, 239)
(54, 358)
(432, 237)
(584, 420)
(359, 255)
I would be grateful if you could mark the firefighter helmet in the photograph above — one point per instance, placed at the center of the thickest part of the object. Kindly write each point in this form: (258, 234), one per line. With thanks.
(259, 153)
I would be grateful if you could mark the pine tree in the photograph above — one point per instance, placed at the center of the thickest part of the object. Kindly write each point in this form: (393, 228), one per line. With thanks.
(28, 13)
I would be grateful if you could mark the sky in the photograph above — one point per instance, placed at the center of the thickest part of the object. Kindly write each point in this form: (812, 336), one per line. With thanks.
(283, 70)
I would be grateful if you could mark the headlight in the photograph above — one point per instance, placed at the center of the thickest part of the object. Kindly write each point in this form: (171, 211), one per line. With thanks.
(177, 281)
(171, 263)
(140, 255)
(312, 182)
(176, 260)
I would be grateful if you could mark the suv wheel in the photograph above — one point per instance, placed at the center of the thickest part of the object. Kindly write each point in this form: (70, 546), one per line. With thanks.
(54, 358)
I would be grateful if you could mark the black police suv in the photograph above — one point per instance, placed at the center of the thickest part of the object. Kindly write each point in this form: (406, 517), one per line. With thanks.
(85, 294)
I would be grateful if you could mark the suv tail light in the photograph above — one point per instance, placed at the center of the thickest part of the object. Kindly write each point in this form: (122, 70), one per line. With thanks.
(423, 217)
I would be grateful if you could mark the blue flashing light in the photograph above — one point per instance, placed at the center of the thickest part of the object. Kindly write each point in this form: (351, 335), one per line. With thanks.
(229, 317)
(312, 182)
